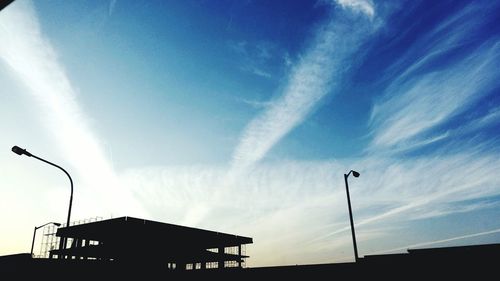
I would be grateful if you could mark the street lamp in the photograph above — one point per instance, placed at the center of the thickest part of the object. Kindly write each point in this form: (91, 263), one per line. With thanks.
(355, 174)
(34, 233)
(19, 151)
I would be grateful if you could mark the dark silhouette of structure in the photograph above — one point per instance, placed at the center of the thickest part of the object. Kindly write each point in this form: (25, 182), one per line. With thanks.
(128, 240)
(20, 151)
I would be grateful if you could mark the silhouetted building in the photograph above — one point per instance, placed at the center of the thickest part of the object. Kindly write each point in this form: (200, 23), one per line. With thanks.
(137, 241)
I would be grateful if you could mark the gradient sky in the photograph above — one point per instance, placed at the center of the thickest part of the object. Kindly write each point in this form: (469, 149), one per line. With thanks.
(243, 116)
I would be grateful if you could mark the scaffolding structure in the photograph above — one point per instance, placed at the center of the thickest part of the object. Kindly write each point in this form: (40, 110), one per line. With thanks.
(51, 242)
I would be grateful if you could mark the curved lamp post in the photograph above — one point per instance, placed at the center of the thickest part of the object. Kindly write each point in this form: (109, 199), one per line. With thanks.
(19, 151)
(355, 174)
(34, 233)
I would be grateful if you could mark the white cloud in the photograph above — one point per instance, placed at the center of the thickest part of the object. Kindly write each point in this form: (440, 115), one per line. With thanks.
(422, 97)
(34, 61)
(256, 103)
(492, 117)
(309, 81)
(255, 58)
(412, 108)
(402, 190)
(364, 6)
(304, 203)
(454, 32)
(256, 70)
(437, 242)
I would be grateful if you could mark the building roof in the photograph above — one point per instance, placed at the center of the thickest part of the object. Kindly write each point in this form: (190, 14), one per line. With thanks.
(134, 227)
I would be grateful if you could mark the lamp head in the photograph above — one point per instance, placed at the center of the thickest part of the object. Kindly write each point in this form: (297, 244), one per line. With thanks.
(355, 174)
(19, 151)
(56, 224)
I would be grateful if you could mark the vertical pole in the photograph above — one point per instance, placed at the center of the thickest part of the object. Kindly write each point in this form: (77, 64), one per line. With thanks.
(221, 257)
(33, 242)
(239, 256)
(350, 218)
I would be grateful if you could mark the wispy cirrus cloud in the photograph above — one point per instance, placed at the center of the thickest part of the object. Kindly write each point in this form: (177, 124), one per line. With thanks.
(256, 103)
(438, 242)
(364, 6)
(31, 58)
(427, 90)
(423, 96)
(429, 100)
(255, 58)
(304, 203)
(394, 189)
(310, 80)
(428, 186)
(491, 117)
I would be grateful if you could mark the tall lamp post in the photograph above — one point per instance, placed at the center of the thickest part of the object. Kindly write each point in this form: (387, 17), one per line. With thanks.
(34, 233)
(19, 151)
(355, 174)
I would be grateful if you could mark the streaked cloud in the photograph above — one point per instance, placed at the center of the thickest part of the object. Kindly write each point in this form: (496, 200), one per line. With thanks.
(426, 101)
(255, 58)
(304, 203)
(438, 242)
(256, 70)
(32, 59)
(364, 6)
(491, 117)
(310, 80)
(422, 97)
(257, 104)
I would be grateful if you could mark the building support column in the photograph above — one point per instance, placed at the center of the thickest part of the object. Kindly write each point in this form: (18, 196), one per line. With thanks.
(239, 256)
(220, 254)
(62, 246)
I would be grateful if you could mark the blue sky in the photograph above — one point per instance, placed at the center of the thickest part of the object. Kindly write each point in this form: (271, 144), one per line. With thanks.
(242, 116)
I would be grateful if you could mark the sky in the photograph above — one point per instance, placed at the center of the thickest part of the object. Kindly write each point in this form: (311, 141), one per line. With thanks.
(243, 116)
